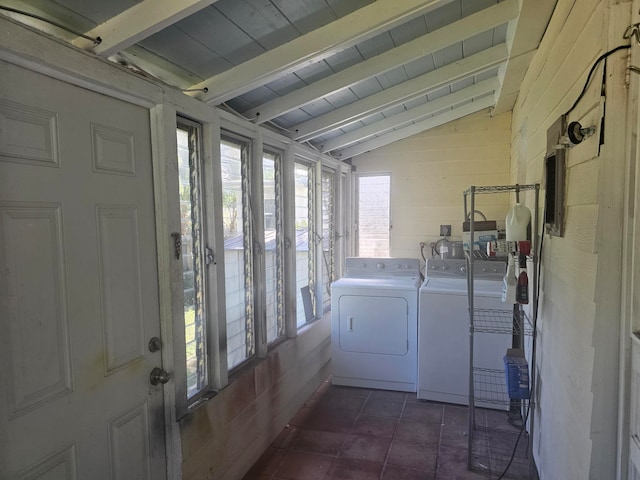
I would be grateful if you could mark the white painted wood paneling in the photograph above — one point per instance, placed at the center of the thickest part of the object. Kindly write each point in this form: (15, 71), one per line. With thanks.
(578, 351)
(28, 134)
(120, 285)
(112, 150)
(37, 352)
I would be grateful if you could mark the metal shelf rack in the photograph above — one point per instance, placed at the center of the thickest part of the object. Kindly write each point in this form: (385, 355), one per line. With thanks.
(491, 440)
(501, 321)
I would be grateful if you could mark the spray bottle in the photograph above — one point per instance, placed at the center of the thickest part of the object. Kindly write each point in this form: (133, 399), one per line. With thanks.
(509, 282)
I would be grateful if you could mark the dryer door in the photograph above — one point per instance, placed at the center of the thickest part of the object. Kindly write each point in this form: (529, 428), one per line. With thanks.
(369, 324)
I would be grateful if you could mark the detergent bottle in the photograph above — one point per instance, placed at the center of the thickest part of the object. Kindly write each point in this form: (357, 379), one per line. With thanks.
(517, 222)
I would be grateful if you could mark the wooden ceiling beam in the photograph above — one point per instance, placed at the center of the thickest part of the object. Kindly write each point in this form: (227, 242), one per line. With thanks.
(400, 93)
(412, 115)
(523, 37)
(312, 47)
(431, 42)
(416, 128)
(139, 22)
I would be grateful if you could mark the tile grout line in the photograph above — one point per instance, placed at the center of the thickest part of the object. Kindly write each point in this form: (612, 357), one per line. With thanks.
(393, 434)
(346, 437)
(439, 443)
(334, 458)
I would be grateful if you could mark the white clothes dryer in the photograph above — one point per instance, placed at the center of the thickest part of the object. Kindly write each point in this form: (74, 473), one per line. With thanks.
(374, 324)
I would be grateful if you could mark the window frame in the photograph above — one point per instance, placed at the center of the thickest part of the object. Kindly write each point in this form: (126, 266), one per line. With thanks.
(311, 244)
(356, 206)
(214, 128)
(330, 266)
(280, 235)
(200, 250)
(248, 173)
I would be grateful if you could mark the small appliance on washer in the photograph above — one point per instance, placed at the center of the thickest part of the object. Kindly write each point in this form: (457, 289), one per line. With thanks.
(443, 328)
(374, 324)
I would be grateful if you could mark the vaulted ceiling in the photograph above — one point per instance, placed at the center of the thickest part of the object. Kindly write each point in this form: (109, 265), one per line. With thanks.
(345, 76)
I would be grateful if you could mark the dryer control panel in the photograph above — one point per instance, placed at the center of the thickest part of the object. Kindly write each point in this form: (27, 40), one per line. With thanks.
(367, 267)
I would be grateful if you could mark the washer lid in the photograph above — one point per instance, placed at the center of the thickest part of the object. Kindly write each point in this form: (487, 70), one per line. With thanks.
(458, 286)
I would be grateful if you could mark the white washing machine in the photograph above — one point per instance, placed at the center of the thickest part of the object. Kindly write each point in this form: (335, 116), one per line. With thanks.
(443, 329)
(374, 324)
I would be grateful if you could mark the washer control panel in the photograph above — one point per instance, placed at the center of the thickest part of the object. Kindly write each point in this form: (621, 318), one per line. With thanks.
(489, 269)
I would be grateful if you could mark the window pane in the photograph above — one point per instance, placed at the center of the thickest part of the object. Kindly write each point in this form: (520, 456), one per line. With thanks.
(273, 246)
(304, 248)
(237, 262)
(192, 267)
(373, 215)
(328, 236)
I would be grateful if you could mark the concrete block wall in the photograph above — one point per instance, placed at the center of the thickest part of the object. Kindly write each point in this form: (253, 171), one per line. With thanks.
(430, 172)
(222, 438)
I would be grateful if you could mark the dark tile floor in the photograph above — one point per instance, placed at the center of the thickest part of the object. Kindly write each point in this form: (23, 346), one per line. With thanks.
(359, 434)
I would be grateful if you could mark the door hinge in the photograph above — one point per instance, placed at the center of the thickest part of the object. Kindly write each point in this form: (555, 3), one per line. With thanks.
(177, 244)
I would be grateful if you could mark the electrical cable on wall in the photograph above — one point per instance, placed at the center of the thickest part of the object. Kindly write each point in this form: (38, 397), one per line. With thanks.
(515, 447)
(593, 67)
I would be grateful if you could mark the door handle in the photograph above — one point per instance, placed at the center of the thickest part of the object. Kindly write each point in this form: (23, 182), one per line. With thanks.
(159, 375)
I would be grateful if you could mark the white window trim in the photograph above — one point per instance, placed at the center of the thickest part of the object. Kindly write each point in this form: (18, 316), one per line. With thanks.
(356, 205)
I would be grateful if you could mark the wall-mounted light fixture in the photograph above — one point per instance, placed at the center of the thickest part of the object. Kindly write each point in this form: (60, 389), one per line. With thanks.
(577, 133)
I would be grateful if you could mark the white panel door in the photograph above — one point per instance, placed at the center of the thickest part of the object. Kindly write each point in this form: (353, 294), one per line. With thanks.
(78, 285)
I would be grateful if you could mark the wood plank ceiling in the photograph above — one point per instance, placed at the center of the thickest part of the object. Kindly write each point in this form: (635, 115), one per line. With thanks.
(345, 76)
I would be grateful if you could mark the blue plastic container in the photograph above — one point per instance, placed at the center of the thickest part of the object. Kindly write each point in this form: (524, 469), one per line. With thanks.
(517, 376)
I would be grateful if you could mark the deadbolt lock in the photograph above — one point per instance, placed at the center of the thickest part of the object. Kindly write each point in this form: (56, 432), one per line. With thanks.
(155, 344)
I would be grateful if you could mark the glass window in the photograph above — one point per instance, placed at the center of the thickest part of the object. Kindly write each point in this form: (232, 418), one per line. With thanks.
(374, 218)
(328, 235)
(305, 246)
(237, 251)
(274, 268)
(192, 263)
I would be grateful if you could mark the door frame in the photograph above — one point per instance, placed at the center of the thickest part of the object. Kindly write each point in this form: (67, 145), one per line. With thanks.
(631, 226)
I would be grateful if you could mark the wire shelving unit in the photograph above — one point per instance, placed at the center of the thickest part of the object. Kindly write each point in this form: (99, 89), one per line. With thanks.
(493, 440)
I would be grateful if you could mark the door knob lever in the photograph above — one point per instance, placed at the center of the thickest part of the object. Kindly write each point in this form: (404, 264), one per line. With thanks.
(159, 375)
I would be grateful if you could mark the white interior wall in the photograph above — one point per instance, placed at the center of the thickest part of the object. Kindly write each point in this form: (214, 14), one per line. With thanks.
(579, 307)
(430, 172)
